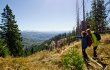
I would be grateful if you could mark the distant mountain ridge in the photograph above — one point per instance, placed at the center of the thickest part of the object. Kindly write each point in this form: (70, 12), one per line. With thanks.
(39, 35)
(35, 38)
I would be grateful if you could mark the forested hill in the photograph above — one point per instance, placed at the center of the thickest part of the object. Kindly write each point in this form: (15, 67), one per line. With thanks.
(35, 38)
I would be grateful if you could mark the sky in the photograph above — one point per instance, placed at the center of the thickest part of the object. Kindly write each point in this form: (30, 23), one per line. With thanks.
(45, 15)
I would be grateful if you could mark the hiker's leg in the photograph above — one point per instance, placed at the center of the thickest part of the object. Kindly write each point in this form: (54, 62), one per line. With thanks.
(95, 53)
(85, 54)
(82, 51)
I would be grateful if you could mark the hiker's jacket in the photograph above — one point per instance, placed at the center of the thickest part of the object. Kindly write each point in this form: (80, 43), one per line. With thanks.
(83, 41)
(95, 42)
(89, 40)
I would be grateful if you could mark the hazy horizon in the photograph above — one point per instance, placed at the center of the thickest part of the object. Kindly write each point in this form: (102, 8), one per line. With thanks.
(59, 32)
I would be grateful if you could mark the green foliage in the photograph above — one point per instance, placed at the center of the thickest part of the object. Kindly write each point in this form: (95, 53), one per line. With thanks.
(73, 58)
(90, 21)
(4, 51)
(10, 32)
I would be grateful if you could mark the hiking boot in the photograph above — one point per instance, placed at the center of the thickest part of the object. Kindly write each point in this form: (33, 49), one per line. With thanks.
(95, 58)
(87, 60)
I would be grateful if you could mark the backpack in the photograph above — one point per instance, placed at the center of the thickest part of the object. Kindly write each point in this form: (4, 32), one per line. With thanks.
(97, 36)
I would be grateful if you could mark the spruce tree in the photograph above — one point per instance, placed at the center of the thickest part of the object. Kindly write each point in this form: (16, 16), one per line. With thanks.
(10, 32)
(99, 15)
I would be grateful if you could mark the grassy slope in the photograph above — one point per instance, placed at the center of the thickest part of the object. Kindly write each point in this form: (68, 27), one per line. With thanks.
(46, 60)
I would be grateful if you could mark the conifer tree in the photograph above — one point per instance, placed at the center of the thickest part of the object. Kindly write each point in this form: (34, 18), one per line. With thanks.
(10, 32)
(99, 15)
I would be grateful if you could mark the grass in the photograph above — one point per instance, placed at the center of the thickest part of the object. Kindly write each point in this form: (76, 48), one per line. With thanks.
(38, 61)
(52, 60)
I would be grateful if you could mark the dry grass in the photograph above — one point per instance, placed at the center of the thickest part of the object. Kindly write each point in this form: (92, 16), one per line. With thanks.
(105, 39)
(46, 60)
(39, 61)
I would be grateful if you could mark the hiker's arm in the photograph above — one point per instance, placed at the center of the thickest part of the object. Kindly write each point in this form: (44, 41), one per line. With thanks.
(79, 37)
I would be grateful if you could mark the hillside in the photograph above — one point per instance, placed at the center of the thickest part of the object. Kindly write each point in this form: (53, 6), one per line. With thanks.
(51, 60)
(35, 38)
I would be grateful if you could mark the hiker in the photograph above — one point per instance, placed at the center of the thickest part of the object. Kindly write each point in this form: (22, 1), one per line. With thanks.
(84, 44)
(95, 42)
(89, 39)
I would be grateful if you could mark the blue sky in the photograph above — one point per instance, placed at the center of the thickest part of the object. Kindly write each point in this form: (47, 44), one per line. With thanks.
(45, 15)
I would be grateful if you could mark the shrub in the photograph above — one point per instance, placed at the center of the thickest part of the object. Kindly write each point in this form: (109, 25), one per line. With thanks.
(72, 59)
(4, 51)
